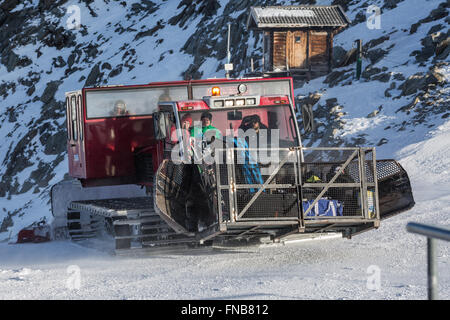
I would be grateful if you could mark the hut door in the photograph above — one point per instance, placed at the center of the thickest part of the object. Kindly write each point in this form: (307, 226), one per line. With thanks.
(319, 50)
(296, 49)
(279, 51)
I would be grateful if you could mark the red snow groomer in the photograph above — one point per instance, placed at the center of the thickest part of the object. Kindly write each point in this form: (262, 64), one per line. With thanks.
(38, 233)
(244, 173)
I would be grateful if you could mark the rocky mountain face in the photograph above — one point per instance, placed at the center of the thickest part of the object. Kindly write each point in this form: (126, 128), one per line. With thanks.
(406, 64)
(48, 47)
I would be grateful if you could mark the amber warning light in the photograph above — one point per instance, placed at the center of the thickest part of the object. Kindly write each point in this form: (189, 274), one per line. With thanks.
(215, 91)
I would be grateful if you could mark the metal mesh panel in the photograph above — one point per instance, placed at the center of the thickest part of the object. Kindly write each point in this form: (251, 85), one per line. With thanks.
(351, 191)
(386, 168)
(251, 171)
(321, 156)
(225, 205)
(279, 198)
(333, 178)
(273, 203)
(368, 166)
(174, 171)
(286, 175)
(324, 172)
(347, 197)
(223, 174)
(353, 170)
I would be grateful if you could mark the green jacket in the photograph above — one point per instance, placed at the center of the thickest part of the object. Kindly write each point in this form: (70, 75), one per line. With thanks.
(199, 132)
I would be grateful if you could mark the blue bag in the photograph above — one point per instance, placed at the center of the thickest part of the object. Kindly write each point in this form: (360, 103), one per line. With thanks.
(323, 207)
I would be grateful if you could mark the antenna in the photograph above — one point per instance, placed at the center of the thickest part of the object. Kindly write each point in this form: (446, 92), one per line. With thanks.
(229, 65)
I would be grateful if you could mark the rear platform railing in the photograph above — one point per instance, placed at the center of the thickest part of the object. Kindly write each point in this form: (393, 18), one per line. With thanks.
(289, 188)
(347, 175)
(255, 190)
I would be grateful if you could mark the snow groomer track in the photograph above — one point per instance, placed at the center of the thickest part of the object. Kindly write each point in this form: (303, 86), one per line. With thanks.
(132, 222)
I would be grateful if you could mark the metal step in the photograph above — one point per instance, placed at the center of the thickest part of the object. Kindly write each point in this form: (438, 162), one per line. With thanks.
(83, 231)
(173, 249)
(120, 207)
(83, 236)
(137, 221)
(169, 241)
(156, 226)
(85, 222)
(148, 235)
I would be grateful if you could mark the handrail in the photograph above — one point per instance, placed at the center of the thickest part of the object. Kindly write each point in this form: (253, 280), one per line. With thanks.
(432, 233)
(429, 231)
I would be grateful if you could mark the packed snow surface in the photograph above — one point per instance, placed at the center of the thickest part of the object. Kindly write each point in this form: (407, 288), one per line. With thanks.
(333, 268)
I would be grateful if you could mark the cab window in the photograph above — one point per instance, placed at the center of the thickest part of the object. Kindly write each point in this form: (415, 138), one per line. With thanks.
(111, 103)
(68, 119)
(73, 110)
(171, 134)
(80, 113)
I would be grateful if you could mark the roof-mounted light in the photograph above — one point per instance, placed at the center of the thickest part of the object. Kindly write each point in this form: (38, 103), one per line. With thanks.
(215, 91)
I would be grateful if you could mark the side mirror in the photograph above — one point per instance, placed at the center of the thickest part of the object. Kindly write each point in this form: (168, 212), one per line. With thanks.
(308, 117)
(159, 125)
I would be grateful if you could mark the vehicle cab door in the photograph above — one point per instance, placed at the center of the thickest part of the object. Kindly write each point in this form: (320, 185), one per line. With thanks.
(75, 134)
(170, 172)
(166, 123)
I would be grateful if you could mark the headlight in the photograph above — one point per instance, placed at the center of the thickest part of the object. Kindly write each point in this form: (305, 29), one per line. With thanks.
(251, 101)
(229, 103)
(218, 103)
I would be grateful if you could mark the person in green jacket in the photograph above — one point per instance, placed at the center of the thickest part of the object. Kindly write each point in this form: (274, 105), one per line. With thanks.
(206, 119)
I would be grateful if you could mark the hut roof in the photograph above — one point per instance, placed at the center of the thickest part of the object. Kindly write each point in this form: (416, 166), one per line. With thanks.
(297, 17)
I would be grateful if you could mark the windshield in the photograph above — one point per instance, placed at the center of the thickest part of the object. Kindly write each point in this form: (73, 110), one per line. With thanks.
(274, 122)
(130, 102)
(142, 101)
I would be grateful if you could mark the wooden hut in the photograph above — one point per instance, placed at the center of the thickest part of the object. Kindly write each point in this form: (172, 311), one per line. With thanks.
(297, 40)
